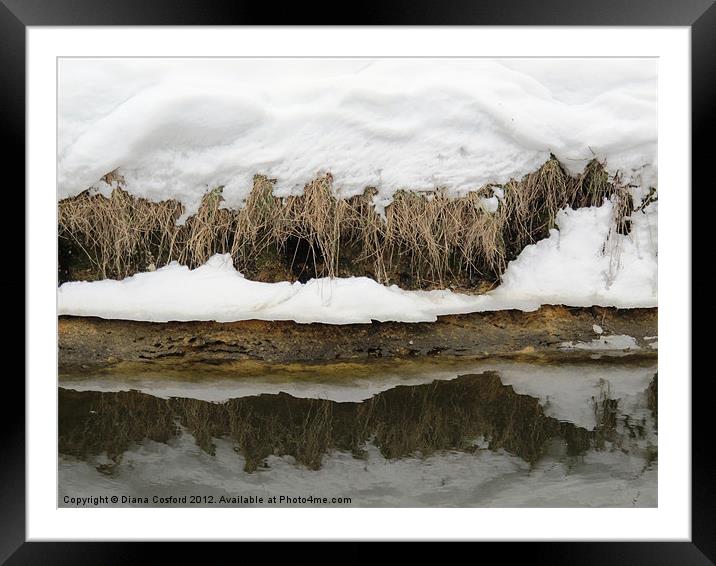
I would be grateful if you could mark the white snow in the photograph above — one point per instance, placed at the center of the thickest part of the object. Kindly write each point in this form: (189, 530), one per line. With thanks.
(587, 263)
(572, 267)
(216, 291)
(176, 128)
(597, 329)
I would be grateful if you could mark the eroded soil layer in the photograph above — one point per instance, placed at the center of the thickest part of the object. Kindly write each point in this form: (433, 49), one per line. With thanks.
(88, 343)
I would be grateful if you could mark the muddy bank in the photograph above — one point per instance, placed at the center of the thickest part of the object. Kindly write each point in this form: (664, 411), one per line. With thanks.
(93, 343)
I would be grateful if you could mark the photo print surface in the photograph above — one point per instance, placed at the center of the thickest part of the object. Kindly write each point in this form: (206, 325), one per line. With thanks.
(388, 282)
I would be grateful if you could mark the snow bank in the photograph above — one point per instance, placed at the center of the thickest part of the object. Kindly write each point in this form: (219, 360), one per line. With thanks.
(176, 128)
(216, 291)
(587, 263)
(575, 266)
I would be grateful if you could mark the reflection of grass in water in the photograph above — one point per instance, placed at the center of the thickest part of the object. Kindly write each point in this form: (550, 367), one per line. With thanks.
(614, 430)
(111, 422)
(201, 420)
(403, 421)
(449, 415)
(280, 425)
(605, 414)
(652, 398)
(261, 426)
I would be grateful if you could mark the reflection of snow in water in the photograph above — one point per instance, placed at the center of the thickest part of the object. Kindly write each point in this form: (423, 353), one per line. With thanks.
(568, 392)
(564, 390)
(618, 475)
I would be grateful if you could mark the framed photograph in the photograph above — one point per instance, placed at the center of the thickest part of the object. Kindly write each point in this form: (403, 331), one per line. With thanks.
(410, 278)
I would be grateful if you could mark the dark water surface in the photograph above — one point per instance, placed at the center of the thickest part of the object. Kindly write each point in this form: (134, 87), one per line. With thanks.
(416, 435)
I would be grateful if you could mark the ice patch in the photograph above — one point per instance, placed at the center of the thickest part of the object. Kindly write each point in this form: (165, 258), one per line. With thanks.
(614, 342)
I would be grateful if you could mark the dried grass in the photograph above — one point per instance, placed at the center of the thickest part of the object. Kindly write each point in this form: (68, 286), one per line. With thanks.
(424, 240)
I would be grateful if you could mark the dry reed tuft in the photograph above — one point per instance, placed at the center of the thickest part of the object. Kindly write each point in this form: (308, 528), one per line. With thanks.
(425, 240)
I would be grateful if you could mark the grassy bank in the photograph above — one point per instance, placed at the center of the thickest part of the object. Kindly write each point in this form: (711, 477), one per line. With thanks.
(425, 240)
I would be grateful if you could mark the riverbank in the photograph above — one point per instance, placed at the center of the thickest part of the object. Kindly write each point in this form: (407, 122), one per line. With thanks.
(90, 343)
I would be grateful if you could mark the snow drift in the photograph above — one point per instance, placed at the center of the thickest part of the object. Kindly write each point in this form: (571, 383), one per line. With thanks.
(176, 128)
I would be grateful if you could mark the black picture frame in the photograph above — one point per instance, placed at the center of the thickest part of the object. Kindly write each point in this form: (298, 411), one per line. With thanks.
(17, 15)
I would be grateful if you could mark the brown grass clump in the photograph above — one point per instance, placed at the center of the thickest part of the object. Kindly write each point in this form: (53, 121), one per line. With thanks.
(425, 240)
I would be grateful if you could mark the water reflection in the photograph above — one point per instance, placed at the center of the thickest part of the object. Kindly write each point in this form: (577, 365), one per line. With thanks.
(470, 418)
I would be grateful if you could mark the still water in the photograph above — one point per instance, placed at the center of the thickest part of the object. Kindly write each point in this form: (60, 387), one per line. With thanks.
(497, 434)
